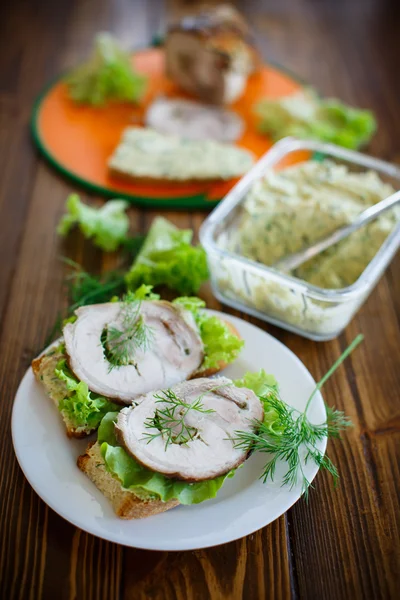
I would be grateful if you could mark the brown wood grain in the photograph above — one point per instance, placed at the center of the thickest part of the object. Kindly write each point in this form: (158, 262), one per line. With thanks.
(345, 543)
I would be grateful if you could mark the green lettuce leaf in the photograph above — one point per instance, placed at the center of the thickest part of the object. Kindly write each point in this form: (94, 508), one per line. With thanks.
(220, 344)
(82, 407)
(147, 484)
(306, 116)
(168, 258)
(266, 388)
(108, 225)
(260, 382)
(144, 292)
(107, 75)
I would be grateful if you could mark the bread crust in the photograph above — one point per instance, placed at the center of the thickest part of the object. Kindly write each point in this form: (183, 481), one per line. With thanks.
(127, 178)
(42, 366)
(126, 505)
(36, 365)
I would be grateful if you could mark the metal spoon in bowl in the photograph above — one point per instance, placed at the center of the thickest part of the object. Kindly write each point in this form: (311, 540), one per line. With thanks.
(298, 258)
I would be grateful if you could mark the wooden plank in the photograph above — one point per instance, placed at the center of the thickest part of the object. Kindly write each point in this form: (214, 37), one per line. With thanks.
(95, 568)
(345, 544)
(35, 294)
(349, 538)
(23, 77)
(342, 537)
(39, 552)
(253, 567)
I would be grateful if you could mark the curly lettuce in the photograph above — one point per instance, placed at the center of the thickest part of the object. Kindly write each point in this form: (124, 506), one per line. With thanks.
(221, 345)
(81, 407)
(107, 75)
(304, 115)
(260, 382)
(107, 226)
(147, 484)
(168, 258)
(144, 292)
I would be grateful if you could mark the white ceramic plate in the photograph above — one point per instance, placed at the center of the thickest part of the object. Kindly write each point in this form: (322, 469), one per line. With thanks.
(244, 504)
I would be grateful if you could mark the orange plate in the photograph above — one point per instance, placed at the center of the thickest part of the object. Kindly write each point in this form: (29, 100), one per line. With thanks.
(78, 140)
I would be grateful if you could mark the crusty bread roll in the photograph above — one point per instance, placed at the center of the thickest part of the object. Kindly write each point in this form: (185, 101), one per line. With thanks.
(210, 55)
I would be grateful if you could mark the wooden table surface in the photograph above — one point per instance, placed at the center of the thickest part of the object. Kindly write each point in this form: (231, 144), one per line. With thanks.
(345, 543)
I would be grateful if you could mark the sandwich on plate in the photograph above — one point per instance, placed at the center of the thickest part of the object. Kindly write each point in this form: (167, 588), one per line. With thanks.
(112, 354)
(176, 445)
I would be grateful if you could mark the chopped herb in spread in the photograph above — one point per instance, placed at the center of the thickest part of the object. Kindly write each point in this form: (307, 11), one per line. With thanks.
(290, 209)
(145, 153)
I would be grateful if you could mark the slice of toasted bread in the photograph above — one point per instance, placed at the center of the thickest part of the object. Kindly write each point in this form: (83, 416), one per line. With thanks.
(43, 368)
(145, 155)
(125, 503)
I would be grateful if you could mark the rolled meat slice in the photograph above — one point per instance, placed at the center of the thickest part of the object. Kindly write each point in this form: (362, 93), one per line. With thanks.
(172, 351)
(194, 120)
(187, 432)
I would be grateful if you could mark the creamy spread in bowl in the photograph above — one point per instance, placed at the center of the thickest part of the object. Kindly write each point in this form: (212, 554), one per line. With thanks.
(274, 211)
(290, 209)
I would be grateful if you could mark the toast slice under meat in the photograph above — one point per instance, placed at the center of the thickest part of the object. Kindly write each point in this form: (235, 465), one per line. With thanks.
(125, 503)
(43, 368)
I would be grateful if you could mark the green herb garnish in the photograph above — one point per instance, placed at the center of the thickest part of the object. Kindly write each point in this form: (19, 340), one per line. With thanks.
(133, 334)
(147, 484)
(286, 431)
(170, 420)
(85, 289)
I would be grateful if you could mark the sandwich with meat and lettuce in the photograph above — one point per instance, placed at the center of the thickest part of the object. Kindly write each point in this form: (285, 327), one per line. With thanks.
(180, 444)
(176, 445)
(113, 353)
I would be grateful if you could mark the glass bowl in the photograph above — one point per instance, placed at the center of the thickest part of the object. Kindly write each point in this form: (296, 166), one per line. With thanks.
(294, 304)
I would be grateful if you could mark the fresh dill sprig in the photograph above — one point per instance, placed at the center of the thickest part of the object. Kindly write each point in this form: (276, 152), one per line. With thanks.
(287, 435)
(84, 288)
(133, 334)
(170, 420)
